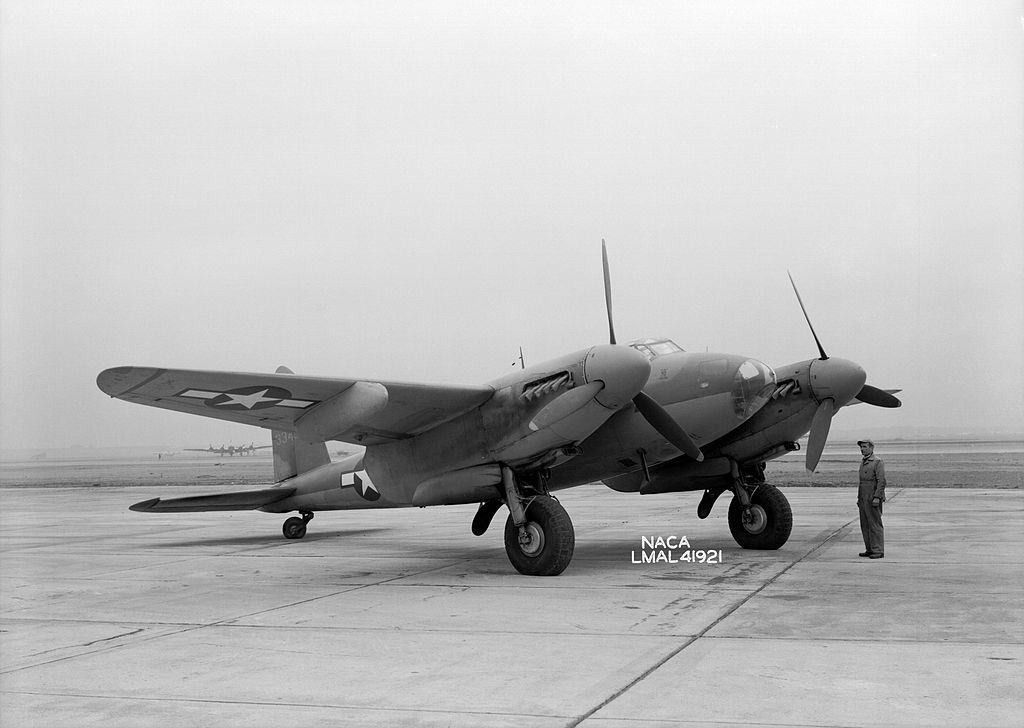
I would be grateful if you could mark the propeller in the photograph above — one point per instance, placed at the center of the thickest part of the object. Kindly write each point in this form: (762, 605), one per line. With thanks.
(822, 420)
(607, 291)
(656, 415)
(821, 349)
(834, 381)
(662, 421)
(820, 424)
(877, 397)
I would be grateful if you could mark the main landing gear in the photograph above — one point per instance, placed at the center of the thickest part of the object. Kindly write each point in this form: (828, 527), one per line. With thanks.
(759, 514)
(543, 544)
(760, 517)
(295, 527)
(539, 537)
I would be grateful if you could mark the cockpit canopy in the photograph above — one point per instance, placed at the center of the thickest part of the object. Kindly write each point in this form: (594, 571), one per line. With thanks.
(751, 382)
(652, 348)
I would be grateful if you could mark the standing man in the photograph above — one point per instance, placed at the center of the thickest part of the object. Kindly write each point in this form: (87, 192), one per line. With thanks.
(870, 497)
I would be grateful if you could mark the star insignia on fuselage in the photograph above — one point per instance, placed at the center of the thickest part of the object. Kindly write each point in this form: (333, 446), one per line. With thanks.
(247, 398)
(366, 489)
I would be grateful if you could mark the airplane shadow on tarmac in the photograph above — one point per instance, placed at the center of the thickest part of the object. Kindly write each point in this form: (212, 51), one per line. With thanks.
(592, 557)
(269, 539)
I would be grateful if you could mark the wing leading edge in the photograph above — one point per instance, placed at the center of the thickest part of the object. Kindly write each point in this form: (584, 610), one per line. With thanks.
(368, 412)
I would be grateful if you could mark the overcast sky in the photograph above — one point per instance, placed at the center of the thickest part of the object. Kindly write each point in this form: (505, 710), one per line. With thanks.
(414, 190)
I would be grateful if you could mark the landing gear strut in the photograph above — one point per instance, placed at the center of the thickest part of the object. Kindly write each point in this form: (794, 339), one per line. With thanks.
(295, 527)
(539, 537)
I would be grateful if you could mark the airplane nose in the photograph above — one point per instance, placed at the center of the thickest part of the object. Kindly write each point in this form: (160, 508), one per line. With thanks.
(836, 379)
(622, 369)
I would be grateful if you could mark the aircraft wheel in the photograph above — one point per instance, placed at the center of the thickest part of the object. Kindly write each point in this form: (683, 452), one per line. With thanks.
(544, 546)
(768, 522)
(294, 527)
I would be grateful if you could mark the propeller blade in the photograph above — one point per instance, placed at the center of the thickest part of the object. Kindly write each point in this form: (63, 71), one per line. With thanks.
(653, 412)
(878, 397)
(667, 427)
(607, 291)
(820, 424)
(821, 349)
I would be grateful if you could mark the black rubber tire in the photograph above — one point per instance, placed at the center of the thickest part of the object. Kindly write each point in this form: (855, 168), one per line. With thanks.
(551, 553)
(294, 527)
(769, 534)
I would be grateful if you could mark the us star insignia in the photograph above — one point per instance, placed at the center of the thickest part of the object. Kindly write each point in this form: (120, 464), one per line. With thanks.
(247, 398)
(362, 485)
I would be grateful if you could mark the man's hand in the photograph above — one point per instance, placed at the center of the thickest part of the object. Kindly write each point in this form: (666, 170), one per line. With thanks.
(875, 502)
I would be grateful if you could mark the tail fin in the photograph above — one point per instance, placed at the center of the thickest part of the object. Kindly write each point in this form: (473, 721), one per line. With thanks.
(293, 456)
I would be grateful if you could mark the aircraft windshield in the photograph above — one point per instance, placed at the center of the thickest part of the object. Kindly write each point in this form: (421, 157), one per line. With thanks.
(652, 348)
(752, 386)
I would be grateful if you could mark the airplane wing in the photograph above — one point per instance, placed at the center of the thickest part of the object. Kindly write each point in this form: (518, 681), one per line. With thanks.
(246, 500)
(367, 412)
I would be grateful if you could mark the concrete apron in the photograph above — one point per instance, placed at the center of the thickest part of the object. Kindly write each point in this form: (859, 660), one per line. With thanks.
(404, 618)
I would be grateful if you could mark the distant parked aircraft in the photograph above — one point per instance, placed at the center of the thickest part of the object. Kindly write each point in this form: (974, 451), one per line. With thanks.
(230, 450)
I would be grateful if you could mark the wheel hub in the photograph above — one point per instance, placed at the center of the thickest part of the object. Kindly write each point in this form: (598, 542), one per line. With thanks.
(531, 539)
(755, 520)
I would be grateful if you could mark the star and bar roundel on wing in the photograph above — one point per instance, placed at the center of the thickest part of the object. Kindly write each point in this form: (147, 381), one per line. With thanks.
(248, 398)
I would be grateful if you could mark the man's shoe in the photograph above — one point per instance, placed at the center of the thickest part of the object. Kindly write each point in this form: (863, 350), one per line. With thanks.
(864, 553)
(876, 556)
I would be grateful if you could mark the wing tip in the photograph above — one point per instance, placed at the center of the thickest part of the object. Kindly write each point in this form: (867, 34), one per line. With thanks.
(146, 505)
(119, 380)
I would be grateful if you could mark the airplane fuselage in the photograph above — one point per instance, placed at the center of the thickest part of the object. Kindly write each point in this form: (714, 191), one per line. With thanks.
(538, 418)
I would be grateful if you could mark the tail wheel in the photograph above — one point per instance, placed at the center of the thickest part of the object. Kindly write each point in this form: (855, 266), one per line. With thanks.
(544, 544)
(768, 522)
(294, 527)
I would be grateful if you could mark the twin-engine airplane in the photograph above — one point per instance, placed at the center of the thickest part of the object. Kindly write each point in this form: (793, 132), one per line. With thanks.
(646, 417)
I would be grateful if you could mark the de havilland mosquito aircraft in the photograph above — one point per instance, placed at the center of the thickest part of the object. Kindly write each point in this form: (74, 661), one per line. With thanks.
(647, 417)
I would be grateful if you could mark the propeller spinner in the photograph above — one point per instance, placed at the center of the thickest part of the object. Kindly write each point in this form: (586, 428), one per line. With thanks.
(656, 415)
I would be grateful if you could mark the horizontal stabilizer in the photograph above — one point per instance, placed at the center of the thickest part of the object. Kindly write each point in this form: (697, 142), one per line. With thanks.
(246, 500)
